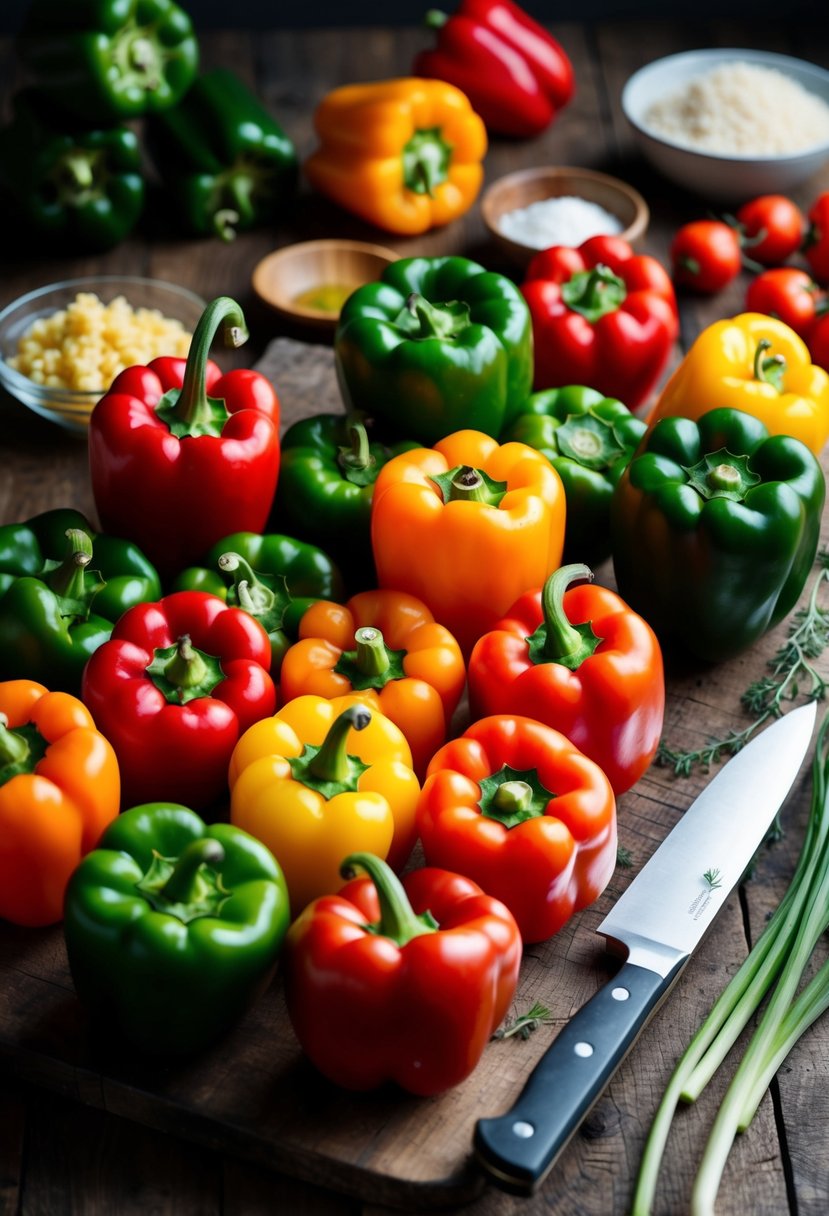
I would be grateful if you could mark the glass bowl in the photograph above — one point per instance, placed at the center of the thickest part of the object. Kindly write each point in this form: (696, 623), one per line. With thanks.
(70, 408)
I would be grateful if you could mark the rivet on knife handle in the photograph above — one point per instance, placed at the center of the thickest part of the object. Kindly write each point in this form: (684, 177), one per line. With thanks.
(518, 1148)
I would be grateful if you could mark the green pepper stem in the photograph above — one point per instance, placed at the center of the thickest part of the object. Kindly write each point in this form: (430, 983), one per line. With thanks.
(253, 595)
(372, 654)
(224, 224)
(398, 919)
(75, 174)
(67, 580)
(437, 321)
(186, 668)
(724, 477)
(594, 293)
(13, 748)
(563, 641)
(358, 456)
(182, 885)
(435, 19)
(331, 761)
(771, 370)
(512, 796)
(192, 406)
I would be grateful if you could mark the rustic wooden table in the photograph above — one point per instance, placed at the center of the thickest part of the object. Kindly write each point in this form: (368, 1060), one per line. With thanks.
(77, 1137)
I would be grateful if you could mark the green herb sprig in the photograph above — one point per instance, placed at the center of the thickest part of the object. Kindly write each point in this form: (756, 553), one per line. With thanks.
(523, 1025)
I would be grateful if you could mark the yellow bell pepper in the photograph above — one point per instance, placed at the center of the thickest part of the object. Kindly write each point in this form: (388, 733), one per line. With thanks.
(757, 364)
(404, 154)
(319, 780)
(467, 527)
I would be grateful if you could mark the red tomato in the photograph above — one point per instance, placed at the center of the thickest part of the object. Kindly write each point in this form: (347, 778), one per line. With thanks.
(786, 293)
(817, 240)
(818, 341)
(772, 228)
(705, 255)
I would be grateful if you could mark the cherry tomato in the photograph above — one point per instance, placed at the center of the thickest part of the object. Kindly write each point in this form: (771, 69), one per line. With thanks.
(705, 255)
(818, 341)
(772, 228)
(786, 293)
(817, 240)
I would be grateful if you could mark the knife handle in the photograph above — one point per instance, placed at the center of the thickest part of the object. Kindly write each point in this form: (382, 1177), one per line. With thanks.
(518, 1148)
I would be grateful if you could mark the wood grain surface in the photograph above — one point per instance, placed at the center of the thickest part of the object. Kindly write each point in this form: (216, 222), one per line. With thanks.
(248, 1127)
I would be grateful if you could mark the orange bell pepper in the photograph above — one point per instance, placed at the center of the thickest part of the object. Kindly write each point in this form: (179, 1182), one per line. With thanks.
(59, 788)
(387, 646)
(404, 154)
(467, 526)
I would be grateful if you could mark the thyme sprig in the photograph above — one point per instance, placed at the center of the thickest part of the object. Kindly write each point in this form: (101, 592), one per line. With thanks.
(791, 674)
(523, 1025)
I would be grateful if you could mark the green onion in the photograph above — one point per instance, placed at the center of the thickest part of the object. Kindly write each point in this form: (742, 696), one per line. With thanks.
(777, 961)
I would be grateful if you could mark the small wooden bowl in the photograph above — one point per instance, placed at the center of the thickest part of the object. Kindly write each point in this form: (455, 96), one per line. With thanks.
(528, 186)
(281, 277)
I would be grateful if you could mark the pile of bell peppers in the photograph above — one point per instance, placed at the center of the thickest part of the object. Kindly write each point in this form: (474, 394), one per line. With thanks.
(277, 637)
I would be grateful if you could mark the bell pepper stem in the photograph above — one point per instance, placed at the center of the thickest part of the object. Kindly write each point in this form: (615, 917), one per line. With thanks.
(513, 796)
(398, 919)
(562, 639)
(182, 885)
(435, 19)
(13, 747)
(331, 761)
(594, 293)
(253, 595)
(435, 320)
(771, 370)
(372, 654)
(67, 580)
(186, 668)
(192, 406)
(358, 456)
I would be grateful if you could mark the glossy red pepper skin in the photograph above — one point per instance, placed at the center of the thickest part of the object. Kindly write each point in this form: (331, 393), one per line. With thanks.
(545, 867)
(175, 497)
(816, 245)
(167, 750)
(622, 353)
(368, 1011)
(611, 707)
(516, 75)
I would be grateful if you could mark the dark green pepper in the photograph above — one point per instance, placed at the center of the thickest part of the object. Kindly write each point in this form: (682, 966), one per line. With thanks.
(103, 60)
(715, 527)
(437, 345)
(326, 483)
(588, 439)
(273, 577)
(224, 160)
(173, 928)
(54, 570)
(80, 187)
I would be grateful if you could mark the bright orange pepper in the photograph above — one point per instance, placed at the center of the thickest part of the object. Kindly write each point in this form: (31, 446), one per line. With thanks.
(442, 531)
(59, 788)
(387, 646)
(404, 154)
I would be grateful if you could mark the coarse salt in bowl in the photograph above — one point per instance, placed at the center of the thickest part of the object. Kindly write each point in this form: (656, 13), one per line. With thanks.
(566, 220)
(730, 124)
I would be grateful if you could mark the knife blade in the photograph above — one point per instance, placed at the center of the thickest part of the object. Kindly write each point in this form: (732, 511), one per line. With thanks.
(657, 923)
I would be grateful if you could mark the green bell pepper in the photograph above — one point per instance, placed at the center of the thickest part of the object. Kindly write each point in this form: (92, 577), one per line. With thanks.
(714, 527)
(326, 485)
(54, 569)
(225, 162)
(80, 187)
(273, 577)
(437, 345)
(588, 439)
(104, 60)
(173, 927)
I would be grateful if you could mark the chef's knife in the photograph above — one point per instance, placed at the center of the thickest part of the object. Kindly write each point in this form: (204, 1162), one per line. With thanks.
(658, 922)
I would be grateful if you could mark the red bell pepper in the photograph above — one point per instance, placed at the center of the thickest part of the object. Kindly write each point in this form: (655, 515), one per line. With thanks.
(516, 807)
(582, 662)
(404, 982)
(514, 72)
(174, 498)
(602, 316)
(173, 689)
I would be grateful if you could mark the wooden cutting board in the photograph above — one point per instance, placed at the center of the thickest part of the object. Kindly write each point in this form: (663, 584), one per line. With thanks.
(255, 1095)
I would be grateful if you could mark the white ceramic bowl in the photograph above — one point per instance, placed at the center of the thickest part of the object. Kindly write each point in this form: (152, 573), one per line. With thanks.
(70, 408)
(715, 176)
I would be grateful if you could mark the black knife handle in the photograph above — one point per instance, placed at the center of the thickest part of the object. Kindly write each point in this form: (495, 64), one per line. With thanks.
(518, 1148)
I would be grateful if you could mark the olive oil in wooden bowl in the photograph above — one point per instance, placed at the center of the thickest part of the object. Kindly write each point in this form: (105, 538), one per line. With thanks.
(308, 283)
